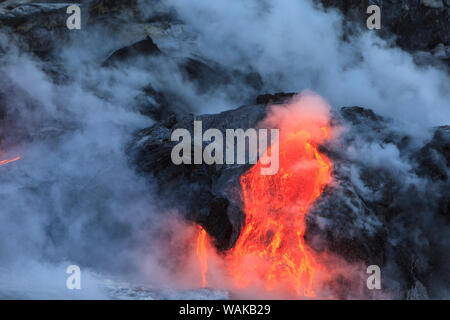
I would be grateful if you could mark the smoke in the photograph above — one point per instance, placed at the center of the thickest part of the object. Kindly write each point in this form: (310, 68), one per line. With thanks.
(306, 111)
(73, 197)
(294, 45)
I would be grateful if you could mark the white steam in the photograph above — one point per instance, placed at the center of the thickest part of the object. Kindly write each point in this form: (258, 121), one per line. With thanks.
(296, 46)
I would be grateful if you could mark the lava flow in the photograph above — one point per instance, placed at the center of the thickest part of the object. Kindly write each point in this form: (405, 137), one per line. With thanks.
(271, 246)
(202, 253)
(3, 162)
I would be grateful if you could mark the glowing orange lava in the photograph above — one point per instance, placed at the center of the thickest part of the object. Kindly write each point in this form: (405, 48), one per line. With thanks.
(3, 162)
(202, 253)
(271, 246)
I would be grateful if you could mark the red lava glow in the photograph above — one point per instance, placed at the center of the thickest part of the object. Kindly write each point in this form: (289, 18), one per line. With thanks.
(3, 162)
(202, 253)
(271, 246)
(271, 250)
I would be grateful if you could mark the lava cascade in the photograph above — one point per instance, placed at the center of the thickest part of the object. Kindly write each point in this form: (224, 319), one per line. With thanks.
(202, 253)
(3, 162)
(271, 245)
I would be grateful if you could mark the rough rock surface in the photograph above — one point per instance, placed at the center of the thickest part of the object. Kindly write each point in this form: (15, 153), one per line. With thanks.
(140, 48)
(365, 213)
(40, 25)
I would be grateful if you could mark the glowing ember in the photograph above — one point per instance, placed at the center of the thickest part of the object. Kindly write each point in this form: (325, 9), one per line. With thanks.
(271, 245)
(202, 253)
(3, 162)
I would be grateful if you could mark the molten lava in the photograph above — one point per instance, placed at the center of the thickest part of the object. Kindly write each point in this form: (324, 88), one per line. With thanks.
(202, 253)
(3, 162)
(271, 246)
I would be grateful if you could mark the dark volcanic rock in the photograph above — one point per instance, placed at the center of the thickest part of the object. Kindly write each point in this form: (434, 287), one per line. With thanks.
(40, 27)
(208, 195)
(210, 75)
(434, 158)
(357, 115)
(141, 48)
(375, 212)
(155, 105)
(277, 98)
(100, 8)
